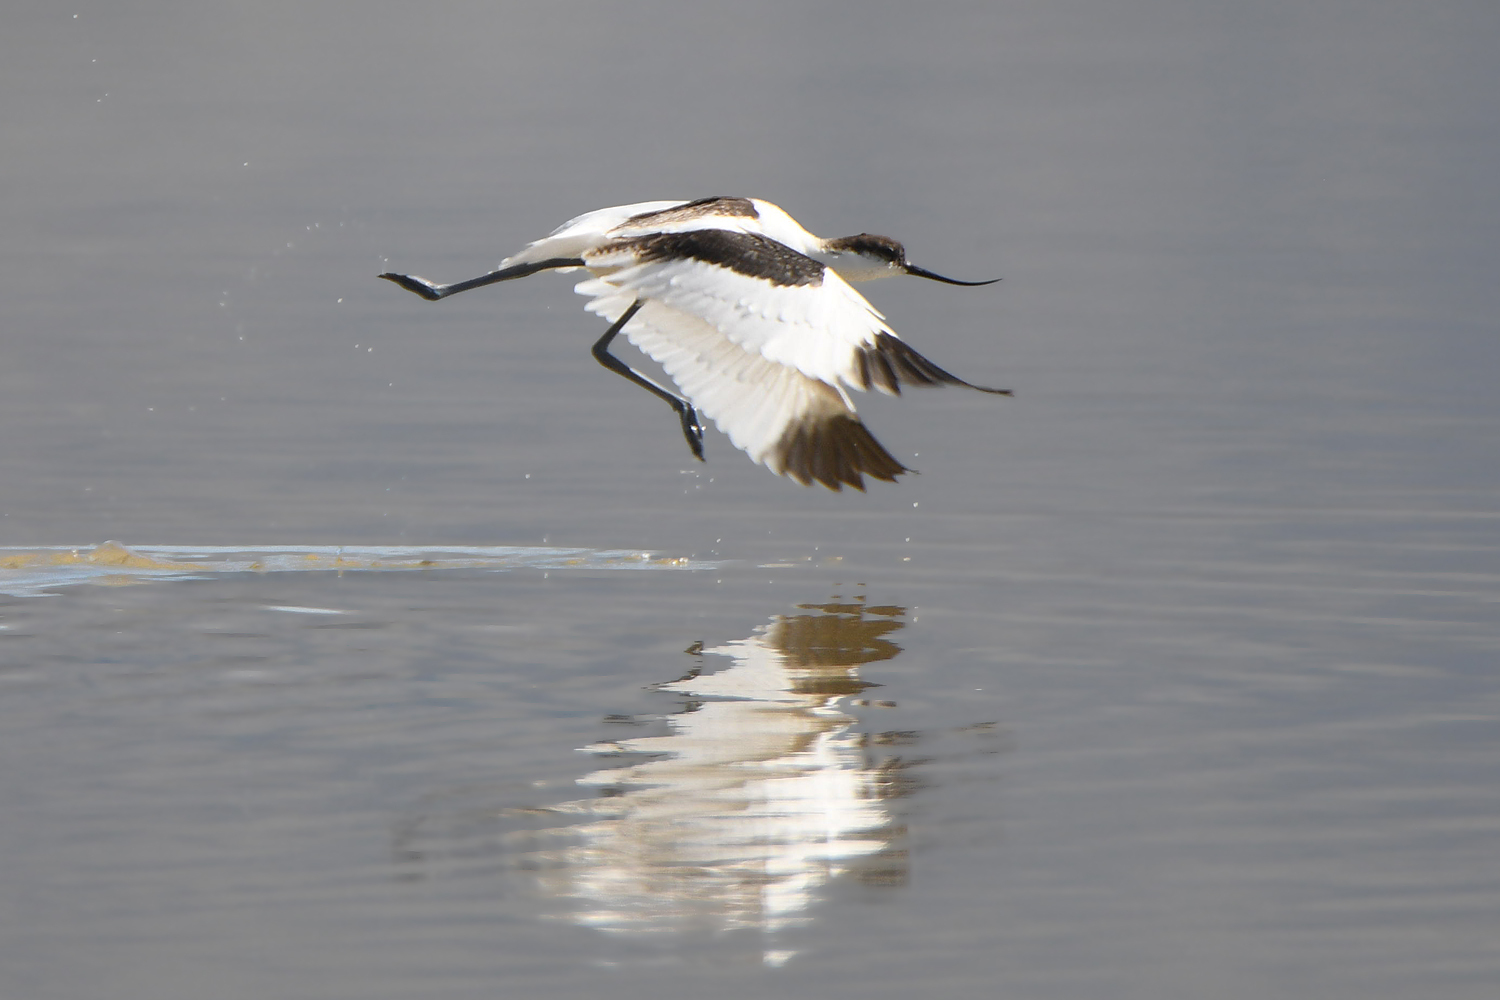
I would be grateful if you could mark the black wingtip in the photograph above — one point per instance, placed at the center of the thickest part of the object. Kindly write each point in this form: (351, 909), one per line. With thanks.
(891, 363)
(411, 283)
(837, 452)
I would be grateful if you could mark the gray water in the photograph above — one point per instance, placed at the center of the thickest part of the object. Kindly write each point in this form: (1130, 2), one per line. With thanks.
(356, 646)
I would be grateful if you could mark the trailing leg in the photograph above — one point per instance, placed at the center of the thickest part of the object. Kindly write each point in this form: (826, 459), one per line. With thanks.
(431, 292)
(692, 429)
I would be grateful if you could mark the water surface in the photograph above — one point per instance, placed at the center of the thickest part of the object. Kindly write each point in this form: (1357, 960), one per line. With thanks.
(352, 645)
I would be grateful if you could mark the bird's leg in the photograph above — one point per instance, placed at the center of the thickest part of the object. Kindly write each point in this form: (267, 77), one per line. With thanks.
(432, 293)
(691, 428)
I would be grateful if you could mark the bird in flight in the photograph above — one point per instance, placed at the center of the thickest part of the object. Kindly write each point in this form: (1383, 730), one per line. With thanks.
(751, 316)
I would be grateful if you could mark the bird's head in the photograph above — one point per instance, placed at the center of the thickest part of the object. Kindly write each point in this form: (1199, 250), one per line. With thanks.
(866, 257)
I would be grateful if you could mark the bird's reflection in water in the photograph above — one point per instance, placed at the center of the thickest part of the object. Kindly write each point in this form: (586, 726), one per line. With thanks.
(732, 811)
(760, 792)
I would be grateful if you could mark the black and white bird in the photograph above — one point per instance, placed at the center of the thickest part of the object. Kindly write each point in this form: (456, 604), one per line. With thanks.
(751, 316)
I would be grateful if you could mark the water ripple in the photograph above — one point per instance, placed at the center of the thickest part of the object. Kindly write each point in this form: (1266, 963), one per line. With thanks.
(28, 572)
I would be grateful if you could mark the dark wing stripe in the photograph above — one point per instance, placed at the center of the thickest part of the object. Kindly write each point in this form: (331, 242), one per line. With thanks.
(749, 254)
(742, 207)
(835, 452)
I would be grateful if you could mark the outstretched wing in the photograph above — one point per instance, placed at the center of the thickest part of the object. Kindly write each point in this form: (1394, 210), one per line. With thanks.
(586, 232)
(770, 300)
(793, 424)
(592, 229)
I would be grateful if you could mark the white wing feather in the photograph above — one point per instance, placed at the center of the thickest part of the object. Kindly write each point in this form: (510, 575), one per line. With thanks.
(758, 402)
(577, 236)
(817, 329)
